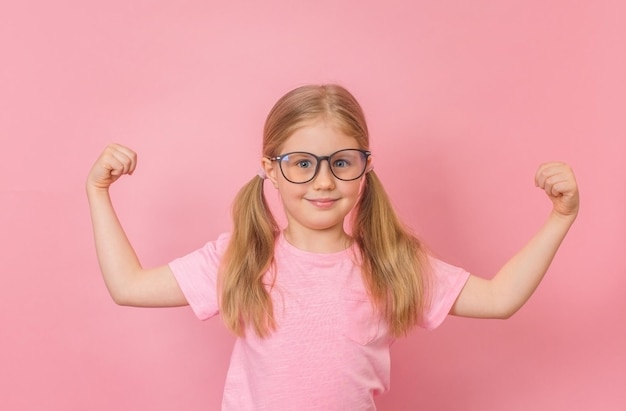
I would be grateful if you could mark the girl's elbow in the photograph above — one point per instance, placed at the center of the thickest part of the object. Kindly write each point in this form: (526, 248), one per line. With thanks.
(122, 289)
(120, 296)
(505, 311)
(505, 315)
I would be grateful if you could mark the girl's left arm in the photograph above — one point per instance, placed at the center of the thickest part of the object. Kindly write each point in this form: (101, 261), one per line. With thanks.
(513, 285)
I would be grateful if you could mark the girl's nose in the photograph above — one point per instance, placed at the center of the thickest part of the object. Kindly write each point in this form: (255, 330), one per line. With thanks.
(325, 178)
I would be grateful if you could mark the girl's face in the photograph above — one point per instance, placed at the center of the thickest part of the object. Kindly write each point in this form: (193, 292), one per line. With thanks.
(322, 203)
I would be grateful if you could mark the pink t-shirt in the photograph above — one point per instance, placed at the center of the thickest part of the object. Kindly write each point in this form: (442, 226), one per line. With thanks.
(330, 350)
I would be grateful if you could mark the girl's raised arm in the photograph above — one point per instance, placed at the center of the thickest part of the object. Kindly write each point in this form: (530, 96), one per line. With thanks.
(513, 285)
(127, 282)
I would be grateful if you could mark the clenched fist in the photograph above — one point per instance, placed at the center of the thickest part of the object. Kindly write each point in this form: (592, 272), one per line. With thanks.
(115, 161)
(559, 183)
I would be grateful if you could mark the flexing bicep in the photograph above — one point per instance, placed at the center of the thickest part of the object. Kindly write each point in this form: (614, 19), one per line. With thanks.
(154, 287)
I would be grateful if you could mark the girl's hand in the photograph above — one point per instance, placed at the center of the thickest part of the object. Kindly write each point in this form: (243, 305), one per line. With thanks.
(115, 161)
(559, 183)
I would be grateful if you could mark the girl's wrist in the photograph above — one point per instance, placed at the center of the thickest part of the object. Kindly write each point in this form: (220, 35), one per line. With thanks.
(564, 218)
(95, 191)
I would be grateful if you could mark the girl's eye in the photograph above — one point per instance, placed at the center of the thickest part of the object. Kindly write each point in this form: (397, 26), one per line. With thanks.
(303, 163)
(341, 163)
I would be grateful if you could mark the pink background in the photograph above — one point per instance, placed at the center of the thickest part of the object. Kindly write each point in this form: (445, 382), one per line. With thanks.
(464, 99)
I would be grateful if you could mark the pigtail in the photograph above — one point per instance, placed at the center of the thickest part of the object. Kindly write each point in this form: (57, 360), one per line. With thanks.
(245, 299)
(394, 261)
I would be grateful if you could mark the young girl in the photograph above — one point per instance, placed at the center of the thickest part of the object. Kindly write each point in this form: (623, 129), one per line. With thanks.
(315, 305)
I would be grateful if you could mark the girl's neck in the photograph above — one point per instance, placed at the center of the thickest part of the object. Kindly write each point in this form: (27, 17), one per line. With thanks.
(318, 241)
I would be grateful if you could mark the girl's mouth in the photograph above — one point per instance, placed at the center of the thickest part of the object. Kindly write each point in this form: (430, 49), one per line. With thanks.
(322, 202)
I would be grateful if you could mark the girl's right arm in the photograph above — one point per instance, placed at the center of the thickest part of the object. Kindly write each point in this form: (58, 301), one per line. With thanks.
(127, 282)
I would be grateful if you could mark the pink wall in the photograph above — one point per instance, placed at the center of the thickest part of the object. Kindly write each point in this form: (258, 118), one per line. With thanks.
(464, 100)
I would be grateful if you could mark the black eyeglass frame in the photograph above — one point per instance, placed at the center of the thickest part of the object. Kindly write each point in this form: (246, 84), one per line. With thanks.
(319, 161)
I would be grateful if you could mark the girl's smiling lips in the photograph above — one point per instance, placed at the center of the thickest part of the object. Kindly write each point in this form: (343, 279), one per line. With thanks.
(322, 202)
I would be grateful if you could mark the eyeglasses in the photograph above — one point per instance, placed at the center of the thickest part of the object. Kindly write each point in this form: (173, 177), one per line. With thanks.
(300, 167)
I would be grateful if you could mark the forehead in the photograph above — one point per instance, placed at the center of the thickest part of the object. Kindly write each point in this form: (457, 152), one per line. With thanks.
(320, 137)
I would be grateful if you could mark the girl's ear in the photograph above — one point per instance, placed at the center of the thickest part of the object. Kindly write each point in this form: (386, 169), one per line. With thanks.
(370, 164)
(271, 170)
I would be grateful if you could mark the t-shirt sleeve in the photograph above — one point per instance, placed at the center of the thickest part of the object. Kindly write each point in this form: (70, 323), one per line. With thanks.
(446, 283)
(196, 274)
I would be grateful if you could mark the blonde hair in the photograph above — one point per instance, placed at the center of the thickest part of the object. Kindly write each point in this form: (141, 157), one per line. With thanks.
(393, 260)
